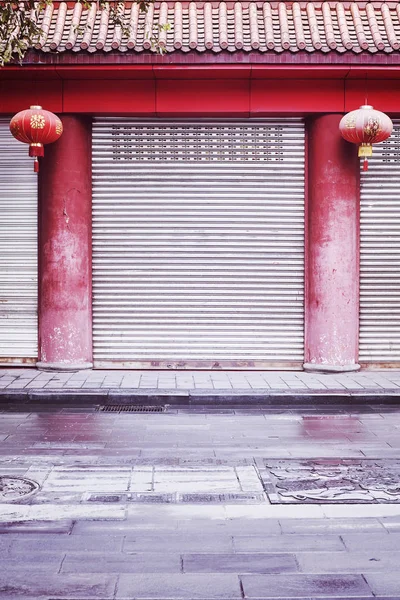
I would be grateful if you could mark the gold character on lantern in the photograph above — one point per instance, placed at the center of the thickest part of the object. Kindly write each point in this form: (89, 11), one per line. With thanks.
(372, 127)
(350, 122)
(38, 122)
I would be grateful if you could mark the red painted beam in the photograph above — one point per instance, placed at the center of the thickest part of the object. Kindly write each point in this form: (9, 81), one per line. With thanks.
(137, 97)
(176, 91)
(17, 95)
(296, 97)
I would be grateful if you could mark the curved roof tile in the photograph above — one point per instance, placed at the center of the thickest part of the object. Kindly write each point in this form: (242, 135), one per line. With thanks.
(223, 26)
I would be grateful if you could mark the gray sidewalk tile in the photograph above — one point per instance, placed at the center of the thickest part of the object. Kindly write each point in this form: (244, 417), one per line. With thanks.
(31, 564)
(18, 385)
(129, 526)
(231, 527)
(391, 524)
(39, 376)
(239, 563)
(259, 542)
(222, 385)
(300, 586)
(63, 385)
(36, 526)
(348, 562)
(179, 541)
(243, 385)
(76, 586)
(109, 562)
(75, 384)
(185, 586)
(378, 542)
(337, 526)
(385, 584)
(38, 384)
(50, 543)
(348, 384)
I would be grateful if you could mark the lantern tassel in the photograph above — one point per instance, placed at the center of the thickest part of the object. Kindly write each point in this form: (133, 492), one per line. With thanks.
(36, 166)
(365, 164)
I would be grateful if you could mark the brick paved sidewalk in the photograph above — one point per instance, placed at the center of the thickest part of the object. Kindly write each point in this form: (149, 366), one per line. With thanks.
(378, 382)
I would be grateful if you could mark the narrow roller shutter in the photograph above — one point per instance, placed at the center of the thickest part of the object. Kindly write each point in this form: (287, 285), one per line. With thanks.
(380, 254)
(18, 251)
(198, 243)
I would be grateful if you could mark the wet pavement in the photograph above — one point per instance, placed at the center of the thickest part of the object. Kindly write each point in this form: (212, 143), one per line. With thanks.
(201, 503)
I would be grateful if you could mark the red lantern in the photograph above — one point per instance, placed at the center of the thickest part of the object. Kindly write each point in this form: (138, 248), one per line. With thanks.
(365, 126)
(36, 127)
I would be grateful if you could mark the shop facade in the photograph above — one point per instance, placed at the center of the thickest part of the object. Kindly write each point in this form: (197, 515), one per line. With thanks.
(201, 209)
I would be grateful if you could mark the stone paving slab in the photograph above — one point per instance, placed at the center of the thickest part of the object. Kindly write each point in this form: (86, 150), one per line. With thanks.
(187, 586)
(259, 542)
(348, 562)
(178, 542)
(11, 513)
(295, 586)
(31, 527)
(71, 586)
(113, 562)
(385, 584)
(239, 563)
(49, 542)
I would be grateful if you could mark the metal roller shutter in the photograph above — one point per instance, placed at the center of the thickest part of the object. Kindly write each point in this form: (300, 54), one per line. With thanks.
(198, 243)
(380, 255)
(18, 251)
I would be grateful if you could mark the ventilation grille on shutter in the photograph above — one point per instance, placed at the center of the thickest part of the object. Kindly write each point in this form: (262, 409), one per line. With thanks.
(200, 143)
(198, 243)
(18, 250)
(380, 254)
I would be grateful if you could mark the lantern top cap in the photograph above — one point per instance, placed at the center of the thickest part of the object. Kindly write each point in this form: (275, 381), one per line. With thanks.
(367, 107)
(35, 106)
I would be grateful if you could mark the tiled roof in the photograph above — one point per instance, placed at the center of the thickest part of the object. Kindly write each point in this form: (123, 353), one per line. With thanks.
(225, 26)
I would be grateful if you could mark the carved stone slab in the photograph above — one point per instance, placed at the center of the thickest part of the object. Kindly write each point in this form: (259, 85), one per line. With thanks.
(331, 480)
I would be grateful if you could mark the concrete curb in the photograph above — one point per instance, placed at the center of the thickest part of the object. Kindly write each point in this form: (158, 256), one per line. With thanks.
(198, 397)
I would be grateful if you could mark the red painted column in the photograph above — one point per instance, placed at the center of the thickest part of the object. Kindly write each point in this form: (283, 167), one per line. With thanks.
(65, 288)
(332, 249)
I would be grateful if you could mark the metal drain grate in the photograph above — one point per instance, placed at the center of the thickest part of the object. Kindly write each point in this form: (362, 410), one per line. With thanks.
(131, 408)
